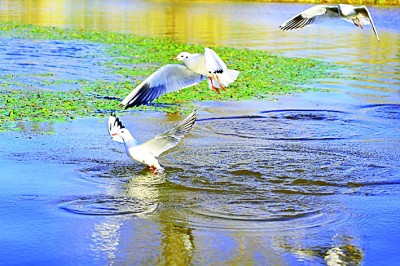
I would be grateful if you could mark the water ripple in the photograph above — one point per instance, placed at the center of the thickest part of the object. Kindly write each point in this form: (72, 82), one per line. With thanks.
(268, 152)
(253, 212)
(290, 124)
(383, 111)
(108, 205)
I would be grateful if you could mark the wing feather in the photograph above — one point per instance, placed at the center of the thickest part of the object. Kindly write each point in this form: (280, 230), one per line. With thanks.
(170, 138)
(114, 125)
(363, 10)
(214, 63)
(169, 78)
(313, 15)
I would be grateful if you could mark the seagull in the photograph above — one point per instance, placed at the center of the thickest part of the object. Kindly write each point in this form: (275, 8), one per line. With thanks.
(148, 152)
(174, 77)
(359, 16)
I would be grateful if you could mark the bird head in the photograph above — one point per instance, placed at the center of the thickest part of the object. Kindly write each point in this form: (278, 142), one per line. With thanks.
(122, 132)
(182, 56)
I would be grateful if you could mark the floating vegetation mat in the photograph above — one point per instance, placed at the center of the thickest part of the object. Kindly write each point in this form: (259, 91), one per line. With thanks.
(128, 59)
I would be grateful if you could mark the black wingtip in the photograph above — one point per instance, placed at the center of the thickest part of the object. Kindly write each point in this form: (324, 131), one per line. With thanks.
(145, 95)
(117, 122)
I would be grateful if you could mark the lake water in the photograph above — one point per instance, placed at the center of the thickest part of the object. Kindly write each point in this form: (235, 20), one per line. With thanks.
(308, 179)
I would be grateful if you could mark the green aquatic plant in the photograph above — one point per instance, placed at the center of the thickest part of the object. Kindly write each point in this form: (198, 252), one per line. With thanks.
(131, 59)
(39, 105)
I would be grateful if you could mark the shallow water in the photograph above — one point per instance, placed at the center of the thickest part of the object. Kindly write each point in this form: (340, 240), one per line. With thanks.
(50, 65)
(307, 179)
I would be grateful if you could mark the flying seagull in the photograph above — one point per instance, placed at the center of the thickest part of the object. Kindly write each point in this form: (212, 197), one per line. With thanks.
(148, 152)
(173, 77)
(359, 16)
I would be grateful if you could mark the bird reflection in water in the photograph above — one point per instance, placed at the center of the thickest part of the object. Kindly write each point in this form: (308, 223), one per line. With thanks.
(118, 234)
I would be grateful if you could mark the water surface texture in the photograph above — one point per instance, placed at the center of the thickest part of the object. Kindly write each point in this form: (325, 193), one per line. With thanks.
(307, 179)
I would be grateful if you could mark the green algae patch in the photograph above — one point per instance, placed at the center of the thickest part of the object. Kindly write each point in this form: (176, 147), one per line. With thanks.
(21, 105)
(131, 59)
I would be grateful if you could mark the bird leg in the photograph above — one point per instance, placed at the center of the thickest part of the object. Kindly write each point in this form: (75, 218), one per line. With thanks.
(358, 23)
(222, 87)
(212, 85)
(156, 171)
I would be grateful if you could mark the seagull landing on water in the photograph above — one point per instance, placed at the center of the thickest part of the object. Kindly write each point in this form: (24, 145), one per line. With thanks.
(148, 152)
(359, 16)
(173, 77)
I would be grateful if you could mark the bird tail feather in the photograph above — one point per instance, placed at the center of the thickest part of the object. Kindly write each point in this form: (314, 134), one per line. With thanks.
(226, 78)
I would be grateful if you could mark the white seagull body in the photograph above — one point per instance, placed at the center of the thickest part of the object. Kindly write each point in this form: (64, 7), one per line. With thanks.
(359, 16)
(174, 77)
(148, 152)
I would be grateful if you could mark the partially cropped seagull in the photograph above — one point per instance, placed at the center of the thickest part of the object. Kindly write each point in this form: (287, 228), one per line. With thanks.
(148, 152)
(359, 16)
(173, 77)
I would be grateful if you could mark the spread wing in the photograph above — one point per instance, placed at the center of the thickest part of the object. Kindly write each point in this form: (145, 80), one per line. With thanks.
(166, 79)
(214, 63)
(313, 15)
(171, 138)
(363, 10)
(114, 125)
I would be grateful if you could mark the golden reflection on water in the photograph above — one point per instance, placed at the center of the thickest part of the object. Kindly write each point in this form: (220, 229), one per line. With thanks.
(170, 18)
(114, 234)
(238, 23)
